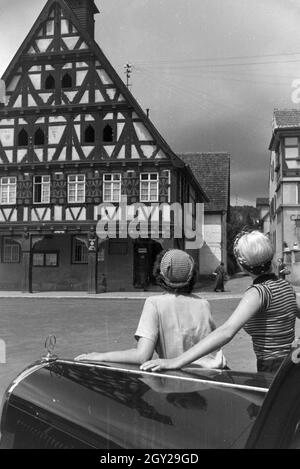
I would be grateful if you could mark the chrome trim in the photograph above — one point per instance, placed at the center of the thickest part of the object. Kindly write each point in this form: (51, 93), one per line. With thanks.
(164, 375)
(24, 374)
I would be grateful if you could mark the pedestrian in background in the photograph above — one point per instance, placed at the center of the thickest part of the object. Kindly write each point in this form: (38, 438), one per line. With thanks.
(221, 276)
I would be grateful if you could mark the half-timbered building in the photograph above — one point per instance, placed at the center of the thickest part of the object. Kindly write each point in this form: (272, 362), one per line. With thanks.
(73, 137)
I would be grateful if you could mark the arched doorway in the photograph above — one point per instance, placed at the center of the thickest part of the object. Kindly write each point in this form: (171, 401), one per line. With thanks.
(145, 253)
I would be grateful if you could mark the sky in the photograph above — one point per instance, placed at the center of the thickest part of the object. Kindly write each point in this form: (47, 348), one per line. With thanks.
(211, 71)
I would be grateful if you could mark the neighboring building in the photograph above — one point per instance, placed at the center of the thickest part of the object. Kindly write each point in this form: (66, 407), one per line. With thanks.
(262, 204)
(212, 171)
(72, 136)
(284, 187)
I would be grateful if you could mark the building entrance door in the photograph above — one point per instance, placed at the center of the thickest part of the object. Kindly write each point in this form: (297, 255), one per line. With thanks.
(145, 253)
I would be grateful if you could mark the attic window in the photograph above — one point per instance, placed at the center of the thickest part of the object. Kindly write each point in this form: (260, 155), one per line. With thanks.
(108, 134)
(291, 145)
(50, 82)
(67, 81)
(23, 138)
(89, 134)
(39, 137)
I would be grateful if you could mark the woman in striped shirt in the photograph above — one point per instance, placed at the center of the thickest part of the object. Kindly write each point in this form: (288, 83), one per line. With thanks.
(267, 311)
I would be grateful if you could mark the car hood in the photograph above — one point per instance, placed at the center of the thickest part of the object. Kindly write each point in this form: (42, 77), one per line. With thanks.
(128, 408)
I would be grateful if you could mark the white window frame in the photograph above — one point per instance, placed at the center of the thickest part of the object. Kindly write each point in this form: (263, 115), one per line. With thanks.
(149, 182)
(76, 181)
(112, 183)
(8, 190)
(45, 189)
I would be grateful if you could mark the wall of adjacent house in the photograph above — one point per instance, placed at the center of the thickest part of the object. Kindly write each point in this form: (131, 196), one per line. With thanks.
(210, 254)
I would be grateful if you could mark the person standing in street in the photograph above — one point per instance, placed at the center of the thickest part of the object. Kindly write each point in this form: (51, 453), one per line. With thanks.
(220, 277)
(282, 270)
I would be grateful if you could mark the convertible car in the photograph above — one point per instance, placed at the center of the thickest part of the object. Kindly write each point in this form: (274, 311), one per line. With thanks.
(57, 403)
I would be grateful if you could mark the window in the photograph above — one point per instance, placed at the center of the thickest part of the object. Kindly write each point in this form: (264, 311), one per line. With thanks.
(108, 134)
(66, 81)
(39, 137)
(76, 188)
(89, 134)
(22, 138)
(79, 252)
(291, 148)
(8, 190)
(111, 187)
(50, 82)
(45, 259)
(149, 187)
(11, 251)
(41, 189)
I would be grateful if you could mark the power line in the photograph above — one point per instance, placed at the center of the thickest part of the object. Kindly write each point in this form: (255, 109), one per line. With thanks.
(212, 59)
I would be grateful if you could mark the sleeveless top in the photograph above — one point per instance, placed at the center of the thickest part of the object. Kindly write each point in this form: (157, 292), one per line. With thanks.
(272, 328)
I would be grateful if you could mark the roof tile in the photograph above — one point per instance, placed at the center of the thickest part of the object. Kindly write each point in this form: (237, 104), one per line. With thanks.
(212, 170)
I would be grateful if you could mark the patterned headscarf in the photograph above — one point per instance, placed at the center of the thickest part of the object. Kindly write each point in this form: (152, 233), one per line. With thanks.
(255, 269)
(176, 268)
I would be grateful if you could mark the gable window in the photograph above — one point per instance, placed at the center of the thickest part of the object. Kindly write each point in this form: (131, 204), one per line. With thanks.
(111, 187)
(22, 138)
(108, 134)
(149, 187)
(79, 251)
(8, 190)
(89, 134)
(41, 189)
(50, 82)
(39, 137)
(291, 148)
(76, 188)
(66, 81)
(10, 251)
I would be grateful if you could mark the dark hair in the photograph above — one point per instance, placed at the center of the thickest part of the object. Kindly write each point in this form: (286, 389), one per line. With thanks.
(160, 280)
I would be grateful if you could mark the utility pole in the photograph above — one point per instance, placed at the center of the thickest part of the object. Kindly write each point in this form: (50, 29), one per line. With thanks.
(128, 71)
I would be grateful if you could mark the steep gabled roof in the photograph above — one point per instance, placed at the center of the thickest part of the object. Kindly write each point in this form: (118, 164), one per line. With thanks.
(93, 47)
(212, 170)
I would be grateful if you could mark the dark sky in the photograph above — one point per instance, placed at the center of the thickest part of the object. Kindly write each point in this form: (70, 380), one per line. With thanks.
(211, 71)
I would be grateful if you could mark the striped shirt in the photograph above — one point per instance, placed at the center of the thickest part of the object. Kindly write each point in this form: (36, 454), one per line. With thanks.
(272, 328)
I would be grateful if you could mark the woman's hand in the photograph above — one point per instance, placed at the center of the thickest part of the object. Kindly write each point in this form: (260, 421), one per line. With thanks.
(159, 364)
(93, 356)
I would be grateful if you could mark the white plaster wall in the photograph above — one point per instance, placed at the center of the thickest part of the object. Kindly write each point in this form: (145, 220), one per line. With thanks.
(211, 252)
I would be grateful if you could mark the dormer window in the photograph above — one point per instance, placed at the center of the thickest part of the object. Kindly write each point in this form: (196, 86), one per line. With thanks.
(50, 82)
(89, 134)
(291, 148)
(39, 137)
(66, 81)
(23, 138)
(108, 134)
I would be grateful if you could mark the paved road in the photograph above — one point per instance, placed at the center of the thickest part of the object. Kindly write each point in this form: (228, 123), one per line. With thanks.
(83, 325)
